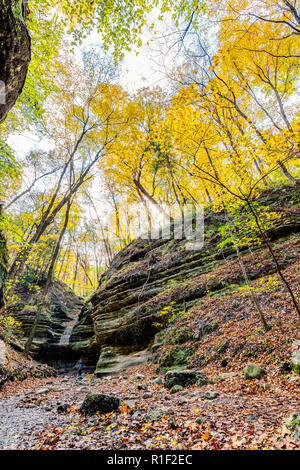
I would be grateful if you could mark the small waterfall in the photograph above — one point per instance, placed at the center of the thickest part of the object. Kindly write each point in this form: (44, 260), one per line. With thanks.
(65, 337)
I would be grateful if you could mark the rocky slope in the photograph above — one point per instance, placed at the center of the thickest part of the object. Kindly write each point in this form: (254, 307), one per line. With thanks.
(15, 51)
(148, 283)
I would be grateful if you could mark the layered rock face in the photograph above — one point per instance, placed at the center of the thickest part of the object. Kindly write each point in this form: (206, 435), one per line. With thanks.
(61, 310)
(3, 270)
(148, 281)
(15, 52)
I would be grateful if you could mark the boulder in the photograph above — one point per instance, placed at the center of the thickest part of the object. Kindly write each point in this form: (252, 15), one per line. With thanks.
(115, 360)
(96, 402)
(253, 371)
(184, 378)
(295, 364)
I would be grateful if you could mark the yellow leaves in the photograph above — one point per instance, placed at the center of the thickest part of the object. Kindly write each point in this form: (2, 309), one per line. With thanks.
(206, 436)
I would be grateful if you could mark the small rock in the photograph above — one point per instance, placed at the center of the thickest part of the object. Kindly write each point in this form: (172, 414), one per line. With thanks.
(147, 395)
(142, 387)
(157, 380)
(253, 371)
(176, 388)
(157, 413)
(95, 402)
(44, 390)
(138, 377)
(131, 403)
(295, 364)
(293, 379)
(211, 395)
(201, 420)
(285, 368)
(173, 423)
(63, 408)
(184, 378)
(251, 418)
(182, 401)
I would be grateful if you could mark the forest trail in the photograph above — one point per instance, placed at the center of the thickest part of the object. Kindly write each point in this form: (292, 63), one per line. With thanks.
(44, 414)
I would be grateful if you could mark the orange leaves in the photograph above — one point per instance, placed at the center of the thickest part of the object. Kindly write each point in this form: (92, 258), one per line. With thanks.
(124, 409)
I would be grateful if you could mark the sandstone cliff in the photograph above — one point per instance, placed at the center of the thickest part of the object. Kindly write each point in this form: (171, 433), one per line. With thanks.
(15, 52)
(60, 312)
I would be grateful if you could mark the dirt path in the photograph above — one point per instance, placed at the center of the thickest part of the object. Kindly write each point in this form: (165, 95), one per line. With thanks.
(15, 421)
(32, 415)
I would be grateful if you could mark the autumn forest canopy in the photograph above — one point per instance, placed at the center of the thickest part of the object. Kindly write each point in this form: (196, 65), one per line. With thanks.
(221, 125)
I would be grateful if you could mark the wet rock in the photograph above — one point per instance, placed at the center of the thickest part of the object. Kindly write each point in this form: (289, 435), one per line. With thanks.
(95, 402)
(253, 371)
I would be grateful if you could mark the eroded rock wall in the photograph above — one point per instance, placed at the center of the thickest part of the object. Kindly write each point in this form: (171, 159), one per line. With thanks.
(62, 307)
